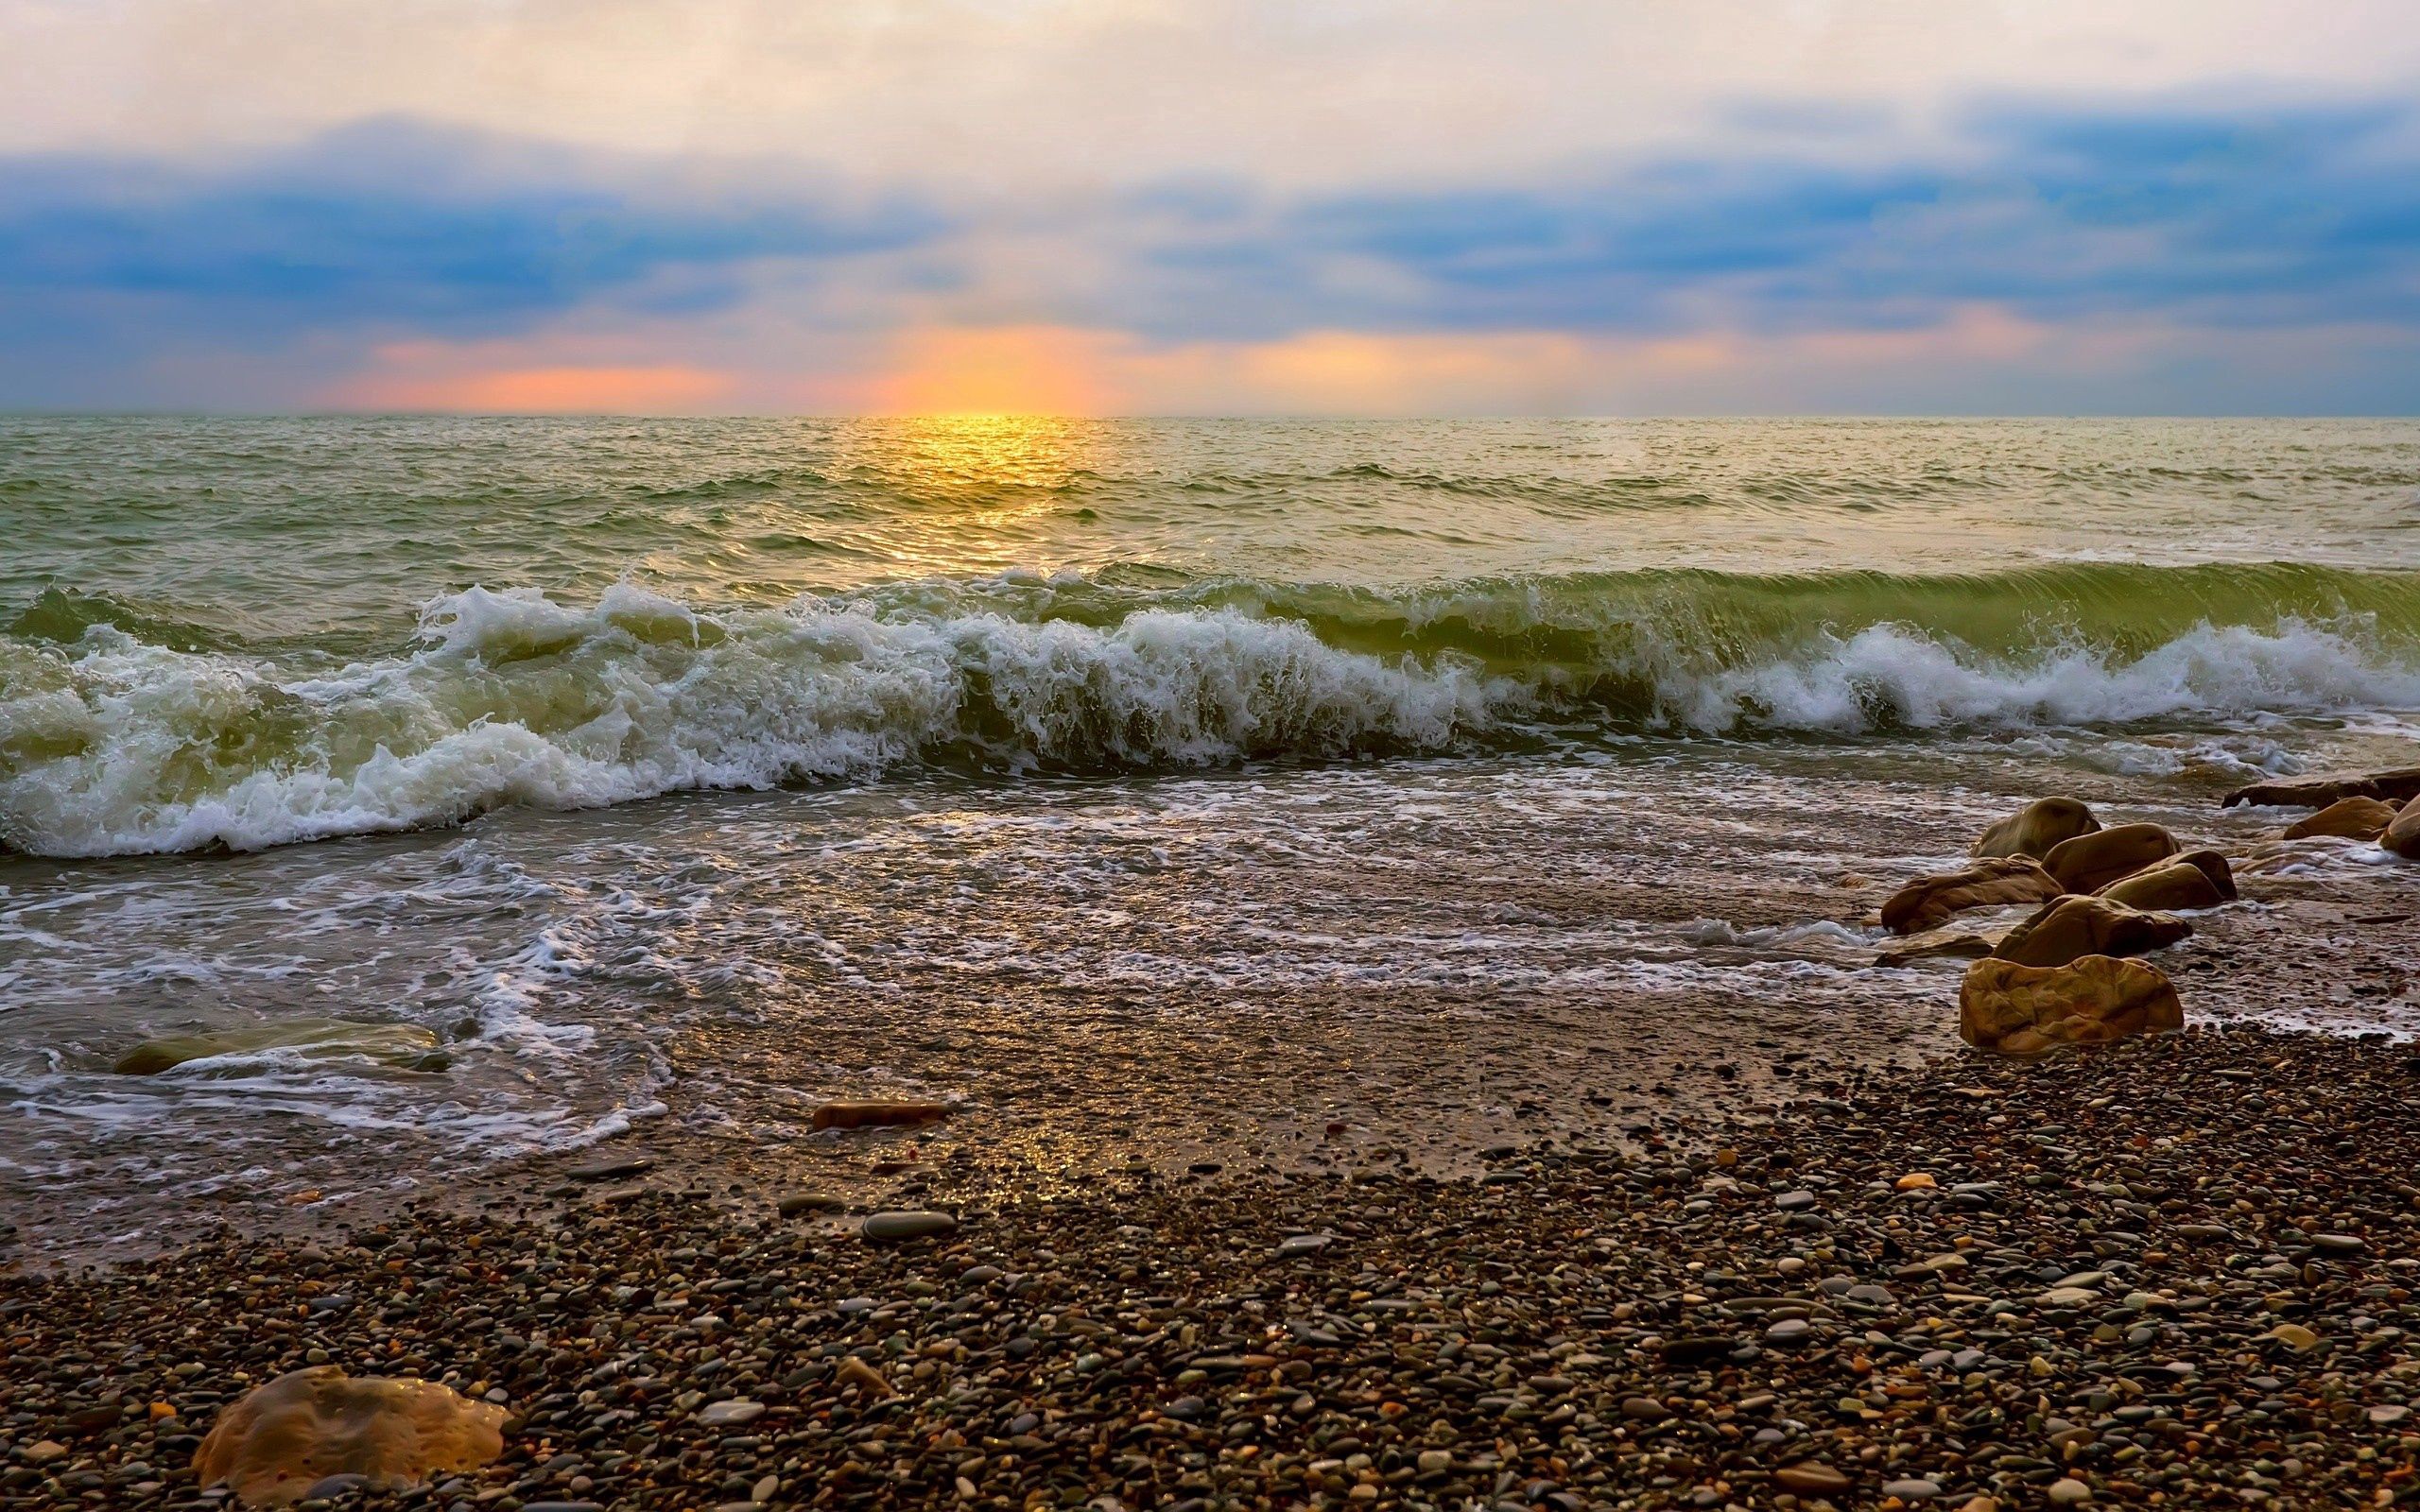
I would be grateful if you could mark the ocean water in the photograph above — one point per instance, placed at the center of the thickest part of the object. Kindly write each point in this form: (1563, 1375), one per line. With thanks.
(689, 772)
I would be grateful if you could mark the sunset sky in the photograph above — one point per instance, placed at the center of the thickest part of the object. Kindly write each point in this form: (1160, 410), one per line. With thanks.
(1159, 207)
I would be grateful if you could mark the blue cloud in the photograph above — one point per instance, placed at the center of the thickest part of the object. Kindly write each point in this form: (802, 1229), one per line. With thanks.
(394, 223)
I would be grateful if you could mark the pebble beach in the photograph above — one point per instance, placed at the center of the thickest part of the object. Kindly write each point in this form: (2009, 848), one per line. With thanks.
(2174, 1272)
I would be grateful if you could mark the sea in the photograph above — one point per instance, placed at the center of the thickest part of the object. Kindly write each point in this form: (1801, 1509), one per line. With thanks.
(1112, 780)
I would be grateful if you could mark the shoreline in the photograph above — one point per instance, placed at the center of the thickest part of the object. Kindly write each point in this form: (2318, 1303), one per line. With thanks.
(2150, 1234)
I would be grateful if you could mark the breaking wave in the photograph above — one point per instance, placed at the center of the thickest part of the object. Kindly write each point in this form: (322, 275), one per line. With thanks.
(111, 742)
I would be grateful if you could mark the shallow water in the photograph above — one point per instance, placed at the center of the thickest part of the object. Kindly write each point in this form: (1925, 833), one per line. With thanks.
(1136, 786)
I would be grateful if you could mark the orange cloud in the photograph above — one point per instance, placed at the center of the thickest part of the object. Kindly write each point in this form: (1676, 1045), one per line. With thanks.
(461, 382)
(1018, 370)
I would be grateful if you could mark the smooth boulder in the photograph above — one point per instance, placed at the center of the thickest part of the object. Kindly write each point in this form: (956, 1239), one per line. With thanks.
(2198, 879)
(1935, 944)
(2070, 928)
(1928, 902)
(2403, 836)
(2031, 1010)
(2350, 818)
(2037, 827)
(2398, 787)
(307, 1425)
(2090, 862)
(407, 1046)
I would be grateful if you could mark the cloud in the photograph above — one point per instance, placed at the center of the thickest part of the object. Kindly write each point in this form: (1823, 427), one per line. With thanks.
(396, 263)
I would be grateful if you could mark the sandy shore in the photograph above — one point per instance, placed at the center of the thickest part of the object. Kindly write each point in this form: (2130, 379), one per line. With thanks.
(2174, 1273)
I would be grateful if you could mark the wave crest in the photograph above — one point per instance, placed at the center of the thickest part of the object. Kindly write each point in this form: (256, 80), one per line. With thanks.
(111, 745)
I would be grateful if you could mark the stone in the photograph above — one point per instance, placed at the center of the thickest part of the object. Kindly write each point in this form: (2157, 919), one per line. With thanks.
(407, 1046)
(1947, 943)
(43, 1451)
(2399, 786)
(888, 1227)
(877, 1115)
(730, 1414)
(2402, 834)
(2070, 928)
(310, 1424)
(2036, 828)
(2089, 862)
(2293, 1336)
(2352, 818)
(800, 1203)
(2176, 884)
(1928, 902)
(2069, 1491)
(2031, 1010)
(855, 1372)
(1811, 1479)
(1916, 1181)
(612, 1170)
(1911, 1489)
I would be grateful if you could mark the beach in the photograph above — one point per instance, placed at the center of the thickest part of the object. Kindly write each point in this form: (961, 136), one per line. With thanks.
(1372, 937)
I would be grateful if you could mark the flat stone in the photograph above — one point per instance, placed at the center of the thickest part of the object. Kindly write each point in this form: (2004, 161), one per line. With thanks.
(611, 1170)
(804, 1202)
(730, 1414)
(886, 1227)
(2341, 1243)
(1911, 1491)
(1798, 1201)
(1811, 1479)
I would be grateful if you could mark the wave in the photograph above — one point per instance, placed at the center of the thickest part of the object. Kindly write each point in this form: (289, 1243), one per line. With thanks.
(113, 744)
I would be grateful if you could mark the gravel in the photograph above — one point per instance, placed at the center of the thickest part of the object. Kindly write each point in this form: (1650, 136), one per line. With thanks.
(2133, 1281)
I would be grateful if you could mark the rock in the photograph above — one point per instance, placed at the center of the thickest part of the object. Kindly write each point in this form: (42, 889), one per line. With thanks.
(2402, 836)
(308, 1425)
(877, 1115)
(404, 1045)
(2093, 861)
(1811, 1479)
(2069, 1491)
(2029, 1010)
(1926, 903)
(1911, 1489)
(800, 1203)
(1916, 1181)
(2398, 787)
(856, 1372)
(2177, 883)
(2354, 818)
(2069, 928)
(2293, 1336)
(2036, 828)
(1935, 944)
(612, 1170)
(43, 1451)
(730, 1414)
(885, 1228)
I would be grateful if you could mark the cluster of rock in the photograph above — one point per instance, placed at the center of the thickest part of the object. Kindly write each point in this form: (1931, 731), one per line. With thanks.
(2066, 975)
(2380, 806)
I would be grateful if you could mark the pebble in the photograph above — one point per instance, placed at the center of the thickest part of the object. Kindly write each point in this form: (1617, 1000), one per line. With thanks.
(1609, 1329)
(887, 1228)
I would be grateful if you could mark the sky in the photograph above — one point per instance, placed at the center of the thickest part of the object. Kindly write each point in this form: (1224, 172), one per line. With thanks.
(1210, 208)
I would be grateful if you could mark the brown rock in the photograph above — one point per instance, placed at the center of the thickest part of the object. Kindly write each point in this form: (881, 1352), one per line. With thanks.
(2355, 818)
(2403, 836)
(2033, 830)
(2029, 1010)
(1926, 901)
(2399, 786)
(1935, 944)
(1811, 1479)
(877, 1115)
(406, 1045)
(309, 1424)
(2091, 861)
(2177, 883)
(2069, 928)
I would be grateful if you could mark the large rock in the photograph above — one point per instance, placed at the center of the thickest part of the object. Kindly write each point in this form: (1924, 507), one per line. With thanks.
(2398, 787)
(2070, 928)
(2403, 836)
(2031, 1010)
(2197, 879)
(2353, 818)
(404, 1045)
(309, 1424)
(1935, 944)
(2089, 862)
(1928, 902)
(2033, 830)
